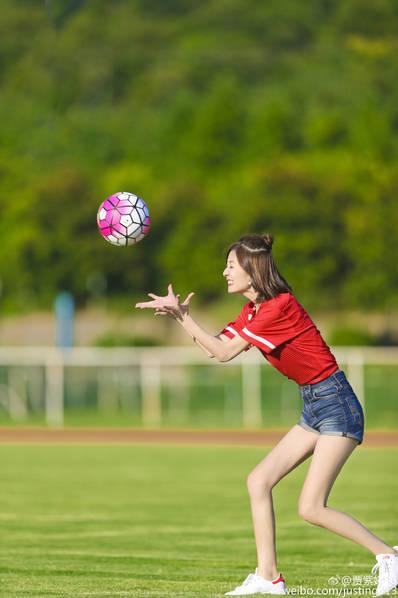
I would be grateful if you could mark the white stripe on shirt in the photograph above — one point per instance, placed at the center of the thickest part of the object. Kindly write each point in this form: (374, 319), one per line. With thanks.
(258, 338)
(231, 330)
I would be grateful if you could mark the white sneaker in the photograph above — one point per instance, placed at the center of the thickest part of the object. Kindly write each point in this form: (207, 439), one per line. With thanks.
(255, 584)
(387, 566)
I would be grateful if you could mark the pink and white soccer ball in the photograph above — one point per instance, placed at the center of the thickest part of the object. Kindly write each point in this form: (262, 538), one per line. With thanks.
(123, 219)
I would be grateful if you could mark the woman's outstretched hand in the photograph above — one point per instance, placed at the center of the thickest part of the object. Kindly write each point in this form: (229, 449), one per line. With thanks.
(167, 305)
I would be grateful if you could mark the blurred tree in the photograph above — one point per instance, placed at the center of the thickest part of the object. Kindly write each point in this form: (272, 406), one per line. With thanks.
(227, 117)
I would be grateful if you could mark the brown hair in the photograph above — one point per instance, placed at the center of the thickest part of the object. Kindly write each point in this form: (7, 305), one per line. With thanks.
(254, 254)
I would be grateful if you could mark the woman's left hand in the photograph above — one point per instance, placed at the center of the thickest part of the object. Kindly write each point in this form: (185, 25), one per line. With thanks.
(168, 305)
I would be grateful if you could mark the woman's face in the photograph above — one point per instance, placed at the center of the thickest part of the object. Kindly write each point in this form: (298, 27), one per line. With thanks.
(237, 279)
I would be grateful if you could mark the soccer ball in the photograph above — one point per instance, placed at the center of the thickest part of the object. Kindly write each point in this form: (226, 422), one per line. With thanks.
(123, 219)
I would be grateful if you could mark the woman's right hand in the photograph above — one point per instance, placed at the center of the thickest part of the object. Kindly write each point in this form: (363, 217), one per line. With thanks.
(168, 305)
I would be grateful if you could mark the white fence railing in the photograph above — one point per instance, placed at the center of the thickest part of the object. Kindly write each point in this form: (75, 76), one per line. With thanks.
(150, 363)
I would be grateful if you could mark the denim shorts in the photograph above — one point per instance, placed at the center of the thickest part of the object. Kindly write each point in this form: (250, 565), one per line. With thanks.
(331, 407)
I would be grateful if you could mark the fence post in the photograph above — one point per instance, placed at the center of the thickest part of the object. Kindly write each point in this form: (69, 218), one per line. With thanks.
(356, 375)
(150, 389)
(17, 394)
(251, 395)
(54, 393)
(108, 390)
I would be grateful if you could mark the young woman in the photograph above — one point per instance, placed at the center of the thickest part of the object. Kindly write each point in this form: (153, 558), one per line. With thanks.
(331, 423)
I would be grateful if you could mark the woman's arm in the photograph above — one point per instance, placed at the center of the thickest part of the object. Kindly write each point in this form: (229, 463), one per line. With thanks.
(222, 337)
(222, 350)
(195, 340)
(163, 312)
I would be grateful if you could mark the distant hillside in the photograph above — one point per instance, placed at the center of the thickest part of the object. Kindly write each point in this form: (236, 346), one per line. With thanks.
(227, 117)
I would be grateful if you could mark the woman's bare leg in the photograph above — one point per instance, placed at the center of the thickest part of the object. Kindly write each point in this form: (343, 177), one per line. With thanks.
(330, 454)
(296, 446)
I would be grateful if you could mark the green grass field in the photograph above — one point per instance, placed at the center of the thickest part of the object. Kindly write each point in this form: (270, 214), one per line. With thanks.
(121, 521)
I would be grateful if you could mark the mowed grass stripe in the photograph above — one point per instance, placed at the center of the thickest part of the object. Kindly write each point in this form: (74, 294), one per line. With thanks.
(169, 520)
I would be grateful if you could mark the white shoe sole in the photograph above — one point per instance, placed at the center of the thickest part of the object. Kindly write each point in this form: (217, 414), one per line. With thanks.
(389, 589)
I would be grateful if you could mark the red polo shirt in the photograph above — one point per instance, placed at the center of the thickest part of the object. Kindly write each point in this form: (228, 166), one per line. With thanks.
(287, 337)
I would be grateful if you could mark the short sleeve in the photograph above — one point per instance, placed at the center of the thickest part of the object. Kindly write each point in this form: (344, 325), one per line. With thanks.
(233, 328)
(270, 328)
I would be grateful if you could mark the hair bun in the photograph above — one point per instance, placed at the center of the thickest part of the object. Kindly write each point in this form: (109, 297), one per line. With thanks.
(268, 240)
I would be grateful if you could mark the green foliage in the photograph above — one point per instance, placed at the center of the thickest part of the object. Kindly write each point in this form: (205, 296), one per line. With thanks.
(226, 117)
(351, 336)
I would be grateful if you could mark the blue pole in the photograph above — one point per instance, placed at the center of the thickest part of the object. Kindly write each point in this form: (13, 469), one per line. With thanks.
(64, 317)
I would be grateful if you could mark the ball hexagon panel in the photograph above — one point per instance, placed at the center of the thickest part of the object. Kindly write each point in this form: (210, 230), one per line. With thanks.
(125, 209)
(124, 195)
(136, 217)
(102, 214)
(142, 214)
(119, 234)
(133, 230)
(126, 220)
